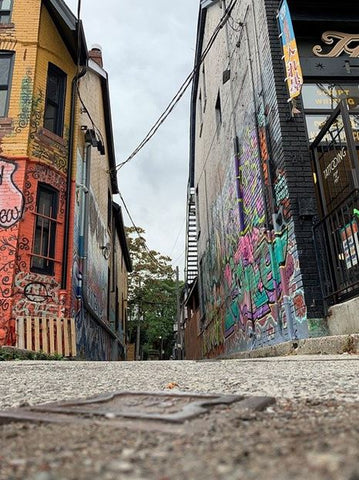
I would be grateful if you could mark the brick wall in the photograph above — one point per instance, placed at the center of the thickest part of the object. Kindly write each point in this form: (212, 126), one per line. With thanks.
(30, 155)
(257, 268)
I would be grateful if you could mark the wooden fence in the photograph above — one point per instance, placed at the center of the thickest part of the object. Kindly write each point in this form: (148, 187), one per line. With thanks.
(48, 335)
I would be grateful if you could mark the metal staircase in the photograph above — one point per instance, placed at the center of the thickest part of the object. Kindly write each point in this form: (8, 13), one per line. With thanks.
(191, 240)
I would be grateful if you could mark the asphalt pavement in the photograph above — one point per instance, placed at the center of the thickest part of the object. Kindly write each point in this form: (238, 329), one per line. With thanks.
(311, 431)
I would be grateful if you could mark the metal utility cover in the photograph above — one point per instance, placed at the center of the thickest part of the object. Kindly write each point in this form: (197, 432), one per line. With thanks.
(162, 406)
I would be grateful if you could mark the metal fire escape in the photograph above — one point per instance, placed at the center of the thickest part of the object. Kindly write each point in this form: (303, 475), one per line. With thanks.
(191, 240)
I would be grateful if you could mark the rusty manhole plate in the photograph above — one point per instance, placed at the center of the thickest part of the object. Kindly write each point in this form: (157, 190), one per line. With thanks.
(162, 406)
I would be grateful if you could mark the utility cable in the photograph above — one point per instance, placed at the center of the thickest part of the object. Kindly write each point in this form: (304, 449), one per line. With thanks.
(181, 90)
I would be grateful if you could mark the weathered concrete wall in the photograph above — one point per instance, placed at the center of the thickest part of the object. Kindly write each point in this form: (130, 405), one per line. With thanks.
(343, 319)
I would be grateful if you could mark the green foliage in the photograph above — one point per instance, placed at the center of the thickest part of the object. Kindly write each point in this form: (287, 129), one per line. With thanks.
(152, 296)
(9, 353)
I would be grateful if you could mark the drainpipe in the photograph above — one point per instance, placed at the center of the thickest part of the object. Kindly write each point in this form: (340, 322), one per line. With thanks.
(68, 180)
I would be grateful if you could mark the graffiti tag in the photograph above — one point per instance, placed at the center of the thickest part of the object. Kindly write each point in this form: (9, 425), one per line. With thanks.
(11, 198)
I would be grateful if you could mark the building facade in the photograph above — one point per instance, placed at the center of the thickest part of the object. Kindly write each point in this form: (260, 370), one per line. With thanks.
(43, 56)
(273, 182)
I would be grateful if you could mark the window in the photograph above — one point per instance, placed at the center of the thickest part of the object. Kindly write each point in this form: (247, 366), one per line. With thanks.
(5, 76)
(321, 99)
(55, 100)
(5, 11)
(43, 251)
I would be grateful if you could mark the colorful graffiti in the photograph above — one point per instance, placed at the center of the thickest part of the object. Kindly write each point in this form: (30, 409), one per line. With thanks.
(23, 292)
(11, 198)
(252, 290)
(251, 200)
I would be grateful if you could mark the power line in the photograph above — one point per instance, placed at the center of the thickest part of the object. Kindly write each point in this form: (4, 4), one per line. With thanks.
(181, 90)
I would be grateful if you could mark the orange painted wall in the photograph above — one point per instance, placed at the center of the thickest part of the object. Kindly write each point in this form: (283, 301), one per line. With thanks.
(28, 155)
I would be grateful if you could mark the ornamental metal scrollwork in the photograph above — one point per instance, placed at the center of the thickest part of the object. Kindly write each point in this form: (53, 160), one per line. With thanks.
(346, 43)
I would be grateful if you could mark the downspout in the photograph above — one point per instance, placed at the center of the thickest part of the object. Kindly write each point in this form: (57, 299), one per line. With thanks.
(69, 178)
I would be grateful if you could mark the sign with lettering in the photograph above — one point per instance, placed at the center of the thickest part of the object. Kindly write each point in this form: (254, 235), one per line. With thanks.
(345, 43)
(325, 96)
(291, 56)
(336, 173)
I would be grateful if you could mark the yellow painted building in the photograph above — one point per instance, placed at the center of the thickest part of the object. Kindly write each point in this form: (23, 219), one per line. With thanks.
(43, 144)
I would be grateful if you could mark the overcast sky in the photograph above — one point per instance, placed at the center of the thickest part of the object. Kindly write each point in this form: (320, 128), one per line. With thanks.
(148, 51)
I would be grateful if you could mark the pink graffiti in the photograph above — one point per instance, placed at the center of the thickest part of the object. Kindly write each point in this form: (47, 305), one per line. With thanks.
(228, 275)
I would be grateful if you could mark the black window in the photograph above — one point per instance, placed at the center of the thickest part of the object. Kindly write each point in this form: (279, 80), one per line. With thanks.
(55, 100)
(5, 77)
(43, 250)
(5, 11)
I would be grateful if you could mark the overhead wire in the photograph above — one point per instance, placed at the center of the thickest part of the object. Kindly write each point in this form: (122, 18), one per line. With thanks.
(165, 115)
(170, 107)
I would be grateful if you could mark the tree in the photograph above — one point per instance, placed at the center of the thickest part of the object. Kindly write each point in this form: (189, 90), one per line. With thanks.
(152, 297)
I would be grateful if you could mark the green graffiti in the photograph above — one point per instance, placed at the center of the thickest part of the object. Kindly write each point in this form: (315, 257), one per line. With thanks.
(25, 102)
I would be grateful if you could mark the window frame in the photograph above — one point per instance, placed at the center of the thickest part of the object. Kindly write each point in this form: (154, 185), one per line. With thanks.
(323, 114)
(7, 87)
(50, 245)
(58, 128)
(6, 12)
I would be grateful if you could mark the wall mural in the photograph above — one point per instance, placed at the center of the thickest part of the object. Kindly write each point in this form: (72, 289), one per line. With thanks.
(97, 265)
(93, 342)
(11, 198)
(251, 281)
(23, 117)
(45, 145)
(21, 291)
(37, 295)
(11, 246)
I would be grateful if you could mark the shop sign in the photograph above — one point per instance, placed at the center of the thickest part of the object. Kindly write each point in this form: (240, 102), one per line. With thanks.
(345, 43)
(291, 56)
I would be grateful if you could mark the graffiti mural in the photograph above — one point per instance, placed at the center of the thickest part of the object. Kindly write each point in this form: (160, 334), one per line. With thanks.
(252, 290)
(44, 144)
(97, 265)
(93, 342)
(23, 117)
(11, 198)
(37, 295)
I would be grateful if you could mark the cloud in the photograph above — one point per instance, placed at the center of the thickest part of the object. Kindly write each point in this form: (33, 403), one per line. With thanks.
(148, 51)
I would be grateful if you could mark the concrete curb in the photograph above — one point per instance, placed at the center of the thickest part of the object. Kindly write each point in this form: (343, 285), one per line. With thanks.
(332, 345)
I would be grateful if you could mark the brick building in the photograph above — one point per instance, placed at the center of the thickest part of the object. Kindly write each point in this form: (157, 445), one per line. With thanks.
(45, 138)
(273, 174)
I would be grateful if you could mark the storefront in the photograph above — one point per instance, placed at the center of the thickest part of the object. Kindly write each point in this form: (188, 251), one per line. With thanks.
(328, 44)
